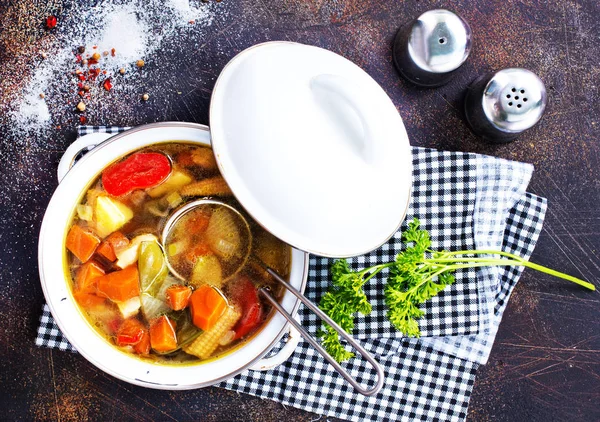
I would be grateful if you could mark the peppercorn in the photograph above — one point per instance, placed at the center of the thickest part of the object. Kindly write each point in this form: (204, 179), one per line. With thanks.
(42, 96)
(122, 71)
(140, 63)
(96, 56)
(51, 22)
(81, 106)
(81, 49)
(145, 97)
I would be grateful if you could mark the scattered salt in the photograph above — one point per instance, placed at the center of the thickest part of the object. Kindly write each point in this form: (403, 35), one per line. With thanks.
(34, 110)
(135, 30)
(126, 34)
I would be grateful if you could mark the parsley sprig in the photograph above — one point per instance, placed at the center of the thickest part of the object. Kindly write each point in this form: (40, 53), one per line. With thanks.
(417, 274)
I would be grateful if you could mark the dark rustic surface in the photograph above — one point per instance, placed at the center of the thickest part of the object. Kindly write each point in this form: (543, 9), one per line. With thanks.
(545, 364)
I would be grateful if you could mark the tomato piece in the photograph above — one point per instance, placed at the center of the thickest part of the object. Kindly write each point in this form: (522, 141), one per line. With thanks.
(138, 171)
(130, 332)
(143, 347)
(244, 294)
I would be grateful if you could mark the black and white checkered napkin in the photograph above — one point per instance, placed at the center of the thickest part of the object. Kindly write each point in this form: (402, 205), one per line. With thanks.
(466, 201)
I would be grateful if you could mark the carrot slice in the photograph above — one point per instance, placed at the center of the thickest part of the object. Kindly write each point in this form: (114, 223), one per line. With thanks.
(206, 306)
(87, 276)
(106, 250)
(197, 224)
(115, 242)
(162, 334)
(82, 243)
(178, 297)
(88, 301)
(119, 285)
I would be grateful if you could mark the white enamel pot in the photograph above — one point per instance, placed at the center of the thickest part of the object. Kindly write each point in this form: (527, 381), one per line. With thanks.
(56, 280)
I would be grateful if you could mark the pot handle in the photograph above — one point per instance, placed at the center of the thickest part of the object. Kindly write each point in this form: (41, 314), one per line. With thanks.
(77, 149)
(281, 356)
(378, 369)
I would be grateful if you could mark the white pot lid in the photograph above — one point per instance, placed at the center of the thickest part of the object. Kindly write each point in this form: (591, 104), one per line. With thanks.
(312, 147)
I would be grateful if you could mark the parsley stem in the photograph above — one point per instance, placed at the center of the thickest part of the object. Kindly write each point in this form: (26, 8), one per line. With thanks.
(376, 269)
(514, 261)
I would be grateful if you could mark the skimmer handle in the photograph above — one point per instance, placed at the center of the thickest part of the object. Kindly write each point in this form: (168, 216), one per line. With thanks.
(378, 369)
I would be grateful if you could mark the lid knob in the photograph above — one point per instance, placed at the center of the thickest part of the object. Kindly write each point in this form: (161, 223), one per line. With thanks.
(428, 50)
(499, 106)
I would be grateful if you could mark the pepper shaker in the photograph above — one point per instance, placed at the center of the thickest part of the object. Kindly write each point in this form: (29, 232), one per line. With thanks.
(429, 50)
(499, 106)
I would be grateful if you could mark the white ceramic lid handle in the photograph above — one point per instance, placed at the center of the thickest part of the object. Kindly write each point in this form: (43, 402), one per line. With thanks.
(365, 111)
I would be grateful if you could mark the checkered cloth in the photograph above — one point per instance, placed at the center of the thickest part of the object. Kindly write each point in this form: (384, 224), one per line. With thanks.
(466, 201)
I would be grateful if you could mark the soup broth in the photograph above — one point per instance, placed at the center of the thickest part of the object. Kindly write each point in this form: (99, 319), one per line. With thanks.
(189, 297)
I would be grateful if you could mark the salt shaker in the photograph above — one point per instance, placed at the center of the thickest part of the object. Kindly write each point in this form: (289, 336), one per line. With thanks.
(499, 106)
(429, 50)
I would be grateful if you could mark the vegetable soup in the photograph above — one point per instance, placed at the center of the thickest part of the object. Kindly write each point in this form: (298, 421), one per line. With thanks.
(190, 297)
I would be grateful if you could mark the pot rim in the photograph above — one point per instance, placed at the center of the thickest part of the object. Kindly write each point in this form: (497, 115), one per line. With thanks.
(52, 290)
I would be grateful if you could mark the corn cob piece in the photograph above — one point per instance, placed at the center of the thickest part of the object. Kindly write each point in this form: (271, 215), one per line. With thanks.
(207, 187)
(204, 158)
(204, 346)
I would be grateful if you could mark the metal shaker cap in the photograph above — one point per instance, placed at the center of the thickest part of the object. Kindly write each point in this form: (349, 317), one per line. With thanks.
(501, 105)
(514, 99)
(429, 49)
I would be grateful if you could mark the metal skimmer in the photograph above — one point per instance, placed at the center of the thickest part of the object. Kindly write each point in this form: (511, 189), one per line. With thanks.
(243, 230)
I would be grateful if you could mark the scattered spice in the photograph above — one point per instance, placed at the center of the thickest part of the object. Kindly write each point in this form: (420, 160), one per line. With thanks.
(81, 106)
(138, 28)
(93, 73)
(51, 22)
(107, 84)
(82, 120)
(145, 97)
(140, 63)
